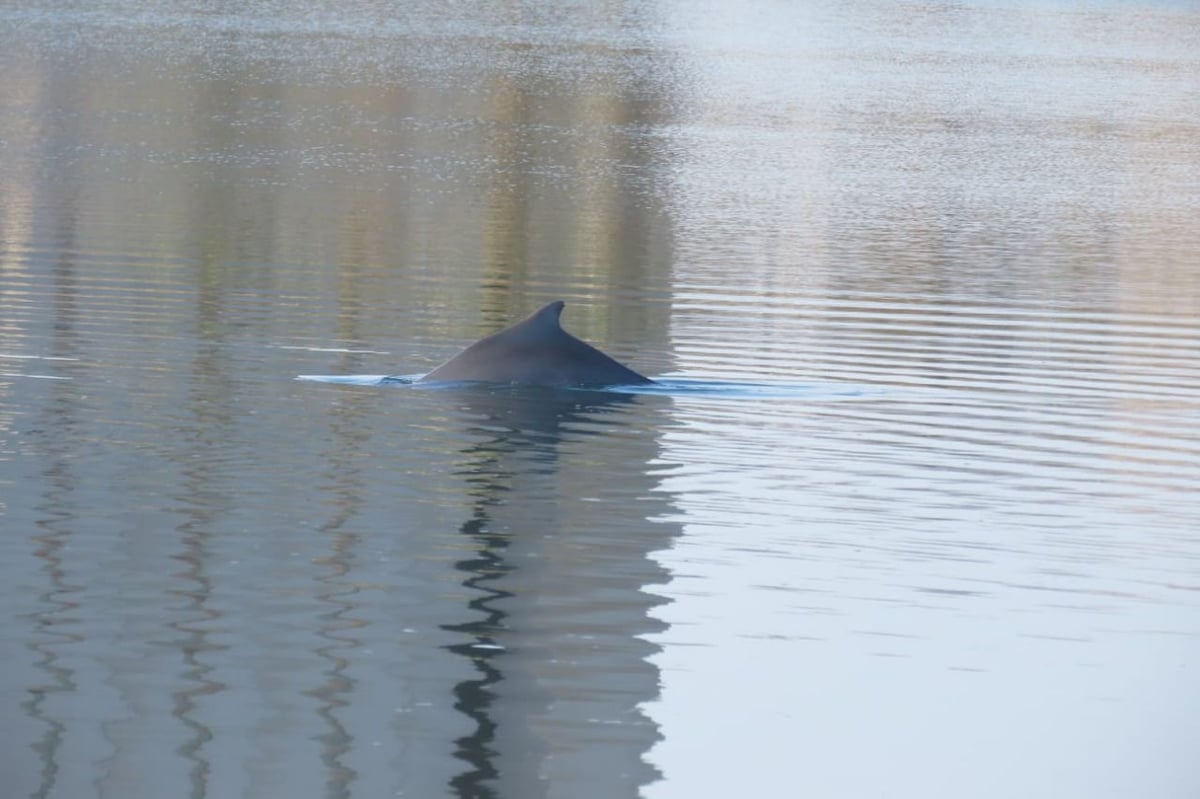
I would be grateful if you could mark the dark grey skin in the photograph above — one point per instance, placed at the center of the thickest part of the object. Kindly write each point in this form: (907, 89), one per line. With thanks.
(536, 351)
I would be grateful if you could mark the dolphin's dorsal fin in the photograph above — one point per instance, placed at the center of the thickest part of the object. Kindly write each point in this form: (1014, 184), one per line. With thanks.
(549, 315)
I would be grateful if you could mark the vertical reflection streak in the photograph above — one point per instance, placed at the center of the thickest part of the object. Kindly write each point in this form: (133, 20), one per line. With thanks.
(343, 486)
(57, 520)
(52, 624)
(334, 692)
(474, 697)
(193, 643)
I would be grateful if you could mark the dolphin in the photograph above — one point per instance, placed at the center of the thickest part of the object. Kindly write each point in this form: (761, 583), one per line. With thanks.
(536, 351)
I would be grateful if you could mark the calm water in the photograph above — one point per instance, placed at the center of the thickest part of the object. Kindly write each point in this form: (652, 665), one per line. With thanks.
(918, 514)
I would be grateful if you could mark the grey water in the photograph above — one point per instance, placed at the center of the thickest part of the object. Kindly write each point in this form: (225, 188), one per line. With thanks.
(915, 512)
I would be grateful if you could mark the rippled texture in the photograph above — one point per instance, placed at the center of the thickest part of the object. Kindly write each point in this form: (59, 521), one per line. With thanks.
(912, 513)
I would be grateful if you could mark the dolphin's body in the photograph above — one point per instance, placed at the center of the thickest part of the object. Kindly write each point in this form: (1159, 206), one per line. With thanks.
(536, 351)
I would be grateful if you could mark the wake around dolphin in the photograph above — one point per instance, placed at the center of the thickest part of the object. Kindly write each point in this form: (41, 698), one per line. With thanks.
(536, 351)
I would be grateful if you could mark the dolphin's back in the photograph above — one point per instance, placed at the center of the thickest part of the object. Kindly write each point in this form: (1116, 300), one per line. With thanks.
(536, 351)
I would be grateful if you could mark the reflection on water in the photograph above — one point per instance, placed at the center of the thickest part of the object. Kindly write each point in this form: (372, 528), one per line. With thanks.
(557, 623)
(911, 503)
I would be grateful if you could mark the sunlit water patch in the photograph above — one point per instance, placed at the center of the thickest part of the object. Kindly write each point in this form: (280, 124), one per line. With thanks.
(362, 380)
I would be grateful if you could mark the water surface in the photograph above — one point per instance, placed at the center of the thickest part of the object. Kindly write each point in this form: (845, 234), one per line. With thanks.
(912, 514)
